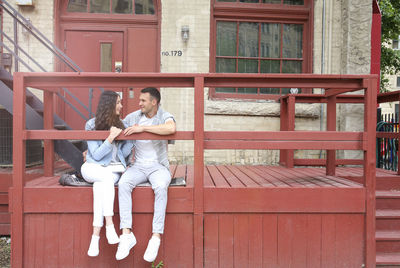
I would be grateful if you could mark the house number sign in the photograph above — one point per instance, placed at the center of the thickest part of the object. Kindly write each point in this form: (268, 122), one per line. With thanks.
(173, 53)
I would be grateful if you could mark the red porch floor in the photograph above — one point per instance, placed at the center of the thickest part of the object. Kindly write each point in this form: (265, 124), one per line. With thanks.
(254, 216)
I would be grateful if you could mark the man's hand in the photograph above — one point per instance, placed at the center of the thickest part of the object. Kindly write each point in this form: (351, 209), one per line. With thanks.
(133, 129)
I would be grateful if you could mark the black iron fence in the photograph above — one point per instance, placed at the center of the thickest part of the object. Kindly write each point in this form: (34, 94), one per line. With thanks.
(387, 146)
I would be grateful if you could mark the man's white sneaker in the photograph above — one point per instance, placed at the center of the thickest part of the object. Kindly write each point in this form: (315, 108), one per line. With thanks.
(94, 246)
(152, 249)
(126, 242)
(111, 235)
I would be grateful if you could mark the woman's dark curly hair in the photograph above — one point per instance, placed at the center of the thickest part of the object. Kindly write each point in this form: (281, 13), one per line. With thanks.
(105, 114)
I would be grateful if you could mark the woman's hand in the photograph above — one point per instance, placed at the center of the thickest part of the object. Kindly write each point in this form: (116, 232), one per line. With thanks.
(114, 132)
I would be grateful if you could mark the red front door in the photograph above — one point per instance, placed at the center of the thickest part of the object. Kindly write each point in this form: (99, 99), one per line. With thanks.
(93, 52)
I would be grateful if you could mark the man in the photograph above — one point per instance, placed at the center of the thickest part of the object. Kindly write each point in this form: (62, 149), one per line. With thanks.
(151, 164)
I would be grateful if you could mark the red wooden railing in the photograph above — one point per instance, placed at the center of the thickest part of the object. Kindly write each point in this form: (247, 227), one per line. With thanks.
(273, 140)
(287, 123)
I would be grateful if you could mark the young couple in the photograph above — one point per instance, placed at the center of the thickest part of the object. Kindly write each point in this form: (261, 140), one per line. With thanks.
(106, 165)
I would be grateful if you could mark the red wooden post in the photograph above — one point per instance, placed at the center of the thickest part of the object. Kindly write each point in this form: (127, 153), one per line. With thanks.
(198, 228)
(331, 126)
(283, 127)
(48, 123)
(19, 154)
(369, 170)
(290, 127)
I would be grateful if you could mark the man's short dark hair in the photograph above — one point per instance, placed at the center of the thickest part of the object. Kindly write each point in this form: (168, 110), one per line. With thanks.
(153, 93)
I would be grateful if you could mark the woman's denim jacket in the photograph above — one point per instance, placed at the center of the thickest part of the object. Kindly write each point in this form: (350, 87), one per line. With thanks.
(100, 152)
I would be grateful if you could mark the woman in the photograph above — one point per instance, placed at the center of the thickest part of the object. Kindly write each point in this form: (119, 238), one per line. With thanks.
(105, 161)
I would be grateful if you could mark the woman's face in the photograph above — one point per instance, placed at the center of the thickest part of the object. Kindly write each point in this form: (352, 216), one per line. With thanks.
(118, 106)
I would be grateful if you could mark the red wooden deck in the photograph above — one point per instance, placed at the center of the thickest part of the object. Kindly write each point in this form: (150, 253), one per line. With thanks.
(227, 216)
(254, 216)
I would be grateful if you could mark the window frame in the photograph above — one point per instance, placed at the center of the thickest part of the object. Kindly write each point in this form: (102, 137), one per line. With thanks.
(110, 17)
(262, 13)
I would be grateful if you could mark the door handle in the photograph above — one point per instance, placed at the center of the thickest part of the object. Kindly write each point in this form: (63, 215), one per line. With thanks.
(118, 66)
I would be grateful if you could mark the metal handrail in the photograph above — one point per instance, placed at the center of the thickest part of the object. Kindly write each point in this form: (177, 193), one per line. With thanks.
(16, 56)
(89, 109)
(19, 18)
(22, 50)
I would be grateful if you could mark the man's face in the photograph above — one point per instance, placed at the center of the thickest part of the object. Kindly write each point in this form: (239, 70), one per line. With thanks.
(147, 103)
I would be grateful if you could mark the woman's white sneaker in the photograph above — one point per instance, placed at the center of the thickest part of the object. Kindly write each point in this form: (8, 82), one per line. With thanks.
(111, 235)
(94, 246)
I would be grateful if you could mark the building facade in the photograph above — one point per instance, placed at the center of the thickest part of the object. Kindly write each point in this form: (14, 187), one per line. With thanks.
(176, 36)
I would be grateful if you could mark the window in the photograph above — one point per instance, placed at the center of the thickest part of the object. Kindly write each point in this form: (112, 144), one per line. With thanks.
(288, 2)
(112, 6)
(395, 44)
(260, 36)
(398, 82)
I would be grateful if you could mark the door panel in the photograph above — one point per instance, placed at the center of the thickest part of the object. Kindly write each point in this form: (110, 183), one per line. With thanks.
(93, 52)
(142, 57)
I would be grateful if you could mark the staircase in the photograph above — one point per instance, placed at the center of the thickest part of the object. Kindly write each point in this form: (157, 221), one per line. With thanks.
(70, 151)
(387, 219)
(387, 216)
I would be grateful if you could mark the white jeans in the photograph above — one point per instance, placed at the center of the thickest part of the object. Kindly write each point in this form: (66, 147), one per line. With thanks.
(103, 180)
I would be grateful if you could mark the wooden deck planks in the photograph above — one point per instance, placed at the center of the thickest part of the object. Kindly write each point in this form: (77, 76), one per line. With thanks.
(243, 177)
(172, 169)
(230, 177)
(288, 178)
(248, 170)
(222, 176)
(316, 177)
(190, 176)
(180, 171)
(217, 178)
(208, 182)
(305, 178)
(271, 179)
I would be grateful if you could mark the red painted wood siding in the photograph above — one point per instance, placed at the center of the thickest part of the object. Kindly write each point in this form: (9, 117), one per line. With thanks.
(62, 240)
(283, 240)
